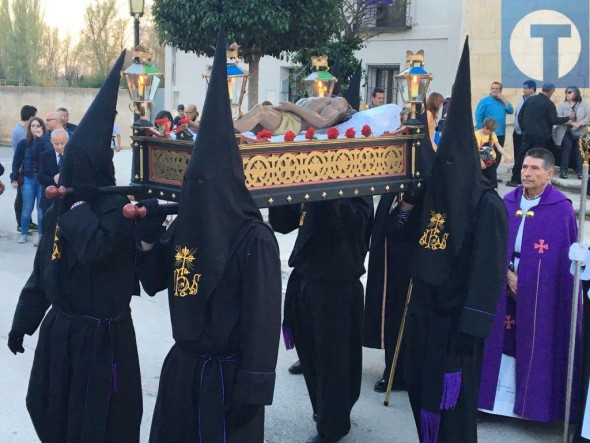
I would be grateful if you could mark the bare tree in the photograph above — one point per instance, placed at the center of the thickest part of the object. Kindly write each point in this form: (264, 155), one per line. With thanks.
(103, 36)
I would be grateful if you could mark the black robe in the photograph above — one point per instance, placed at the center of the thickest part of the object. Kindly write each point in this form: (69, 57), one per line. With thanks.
(387, 282)
(465, 304)
(85, 383)
(233, 361)
(324, 302)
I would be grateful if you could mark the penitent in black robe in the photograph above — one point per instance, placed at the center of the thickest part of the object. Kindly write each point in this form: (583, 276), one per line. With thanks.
(388, 280)
(233, 360)
(324, 302)
(85, 383)
(464, 304)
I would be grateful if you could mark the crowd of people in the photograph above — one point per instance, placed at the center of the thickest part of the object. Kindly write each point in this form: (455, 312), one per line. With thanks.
(482, 283)
(37, 146)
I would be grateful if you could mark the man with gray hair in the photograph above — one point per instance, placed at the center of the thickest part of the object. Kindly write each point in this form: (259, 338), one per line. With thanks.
(50, 163)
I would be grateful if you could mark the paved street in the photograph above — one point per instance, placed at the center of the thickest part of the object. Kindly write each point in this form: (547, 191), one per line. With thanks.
(287, 420)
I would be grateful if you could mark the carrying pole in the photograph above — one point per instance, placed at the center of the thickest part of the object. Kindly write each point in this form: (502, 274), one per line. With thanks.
(583, 145)
(398, 345)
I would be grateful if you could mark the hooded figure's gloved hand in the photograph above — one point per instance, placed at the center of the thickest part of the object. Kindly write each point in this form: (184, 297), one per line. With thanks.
(149, 229)
(15, 341)
(239, 414)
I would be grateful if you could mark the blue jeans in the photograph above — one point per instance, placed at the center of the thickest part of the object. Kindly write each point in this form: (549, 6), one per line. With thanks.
(31, 190)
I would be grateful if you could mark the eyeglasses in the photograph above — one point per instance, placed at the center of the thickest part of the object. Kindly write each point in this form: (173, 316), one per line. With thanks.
(36, 126)
(50, 119)
(569, 92)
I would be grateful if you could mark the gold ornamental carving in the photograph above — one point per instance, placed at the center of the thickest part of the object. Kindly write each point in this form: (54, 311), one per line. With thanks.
(291, 168)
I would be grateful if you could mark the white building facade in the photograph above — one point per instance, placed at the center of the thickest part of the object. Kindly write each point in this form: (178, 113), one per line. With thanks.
(431, 25)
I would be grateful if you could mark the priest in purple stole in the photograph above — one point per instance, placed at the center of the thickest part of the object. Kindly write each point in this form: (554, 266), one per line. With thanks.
(528, 347)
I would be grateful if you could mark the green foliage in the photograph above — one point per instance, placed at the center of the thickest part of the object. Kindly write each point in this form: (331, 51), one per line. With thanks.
(261, 27)
(22, 31)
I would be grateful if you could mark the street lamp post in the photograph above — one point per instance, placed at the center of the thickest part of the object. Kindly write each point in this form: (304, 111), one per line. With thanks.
(136, 11)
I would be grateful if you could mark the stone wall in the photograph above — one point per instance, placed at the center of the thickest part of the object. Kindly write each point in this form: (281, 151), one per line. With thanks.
(76, 100)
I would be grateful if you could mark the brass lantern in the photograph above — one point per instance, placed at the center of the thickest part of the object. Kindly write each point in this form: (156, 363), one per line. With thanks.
(320, 83)
(142, 80)
(413, 82)
(237, 80)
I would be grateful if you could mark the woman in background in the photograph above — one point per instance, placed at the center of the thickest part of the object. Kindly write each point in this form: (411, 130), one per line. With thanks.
(433, 105)
(26, 164)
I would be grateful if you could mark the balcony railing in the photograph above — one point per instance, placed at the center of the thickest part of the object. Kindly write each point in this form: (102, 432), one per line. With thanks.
(383, 17)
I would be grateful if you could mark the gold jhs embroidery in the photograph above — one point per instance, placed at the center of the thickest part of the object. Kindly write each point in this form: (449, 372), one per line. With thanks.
(433, 237)
(183, 285)
(56, 255)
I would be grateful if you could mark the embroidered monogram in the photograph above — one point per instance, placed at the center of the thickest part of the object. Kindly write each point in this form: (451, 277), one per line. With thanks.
(183, 284)
(56, 254)
(434, 237)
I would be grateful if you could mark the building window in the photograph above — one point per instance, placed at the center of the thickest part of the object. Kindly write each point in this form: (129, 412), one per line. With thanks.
(383, 76)
(381, 16)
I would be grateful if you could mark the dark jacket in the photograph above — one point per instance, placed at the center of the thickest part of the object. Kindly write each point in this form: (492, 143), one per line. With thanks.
(26, 158)
(537, 117)
(47, 170)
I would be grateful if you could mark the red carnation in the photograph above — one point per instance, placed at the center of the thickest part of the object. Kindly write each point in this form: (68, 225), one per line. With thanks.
(366, 131)
(289, 136)
(333, 133)
(264, 134)
(161, 121)
(184, 121)
(350, 133)
(310, 134)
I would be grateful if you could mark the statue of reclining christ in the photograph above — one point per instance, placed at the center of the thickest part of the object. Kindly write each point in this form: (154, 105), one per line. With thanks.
(316, 112)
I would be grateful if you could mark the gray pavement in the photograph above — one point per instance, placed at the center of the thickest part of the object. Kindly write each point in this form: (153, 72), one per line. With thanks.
(287, 420)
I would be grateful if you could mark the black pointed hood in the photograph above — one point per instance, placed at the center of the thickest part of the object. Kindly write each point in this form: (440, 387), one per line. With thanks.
(353, 94)
(214, 207)
(88, 157)
(337, 72)
(455, 187)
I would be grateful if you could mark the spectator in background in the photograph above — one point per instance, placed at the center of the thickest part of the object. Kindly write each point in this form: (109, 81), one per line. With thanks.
(116, 140)
(567, 135)
(495, 106)
(180, 116)
(20, 133)
(433, 105)
(486, 142)
(26, 158)
(443, 116)
(193, 115)
(50, 164)
(65, 116)
(529, 88)
(54, 121)
(536, 120)
(377, 97)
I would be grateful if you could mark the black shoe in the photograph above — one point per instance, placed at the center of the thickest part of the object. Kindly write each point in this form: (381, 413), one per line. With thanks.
(511, 184)
(318, 438)
(33, 227)
(380, 386)
(563, 175)
(296, 368)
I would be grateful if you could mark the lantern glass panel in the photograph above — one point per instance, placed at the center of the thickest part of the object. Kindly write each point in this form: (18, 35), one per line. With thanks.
(136, 7)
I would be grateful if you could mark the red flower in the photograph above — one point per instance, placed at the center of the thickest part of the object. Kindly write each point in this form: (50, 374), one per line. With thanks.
(183, 121)
(161, 121)
(366, 131)
(289, 136)
(333, 133)
(350, 133)
(310, 134)
(264, 134)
